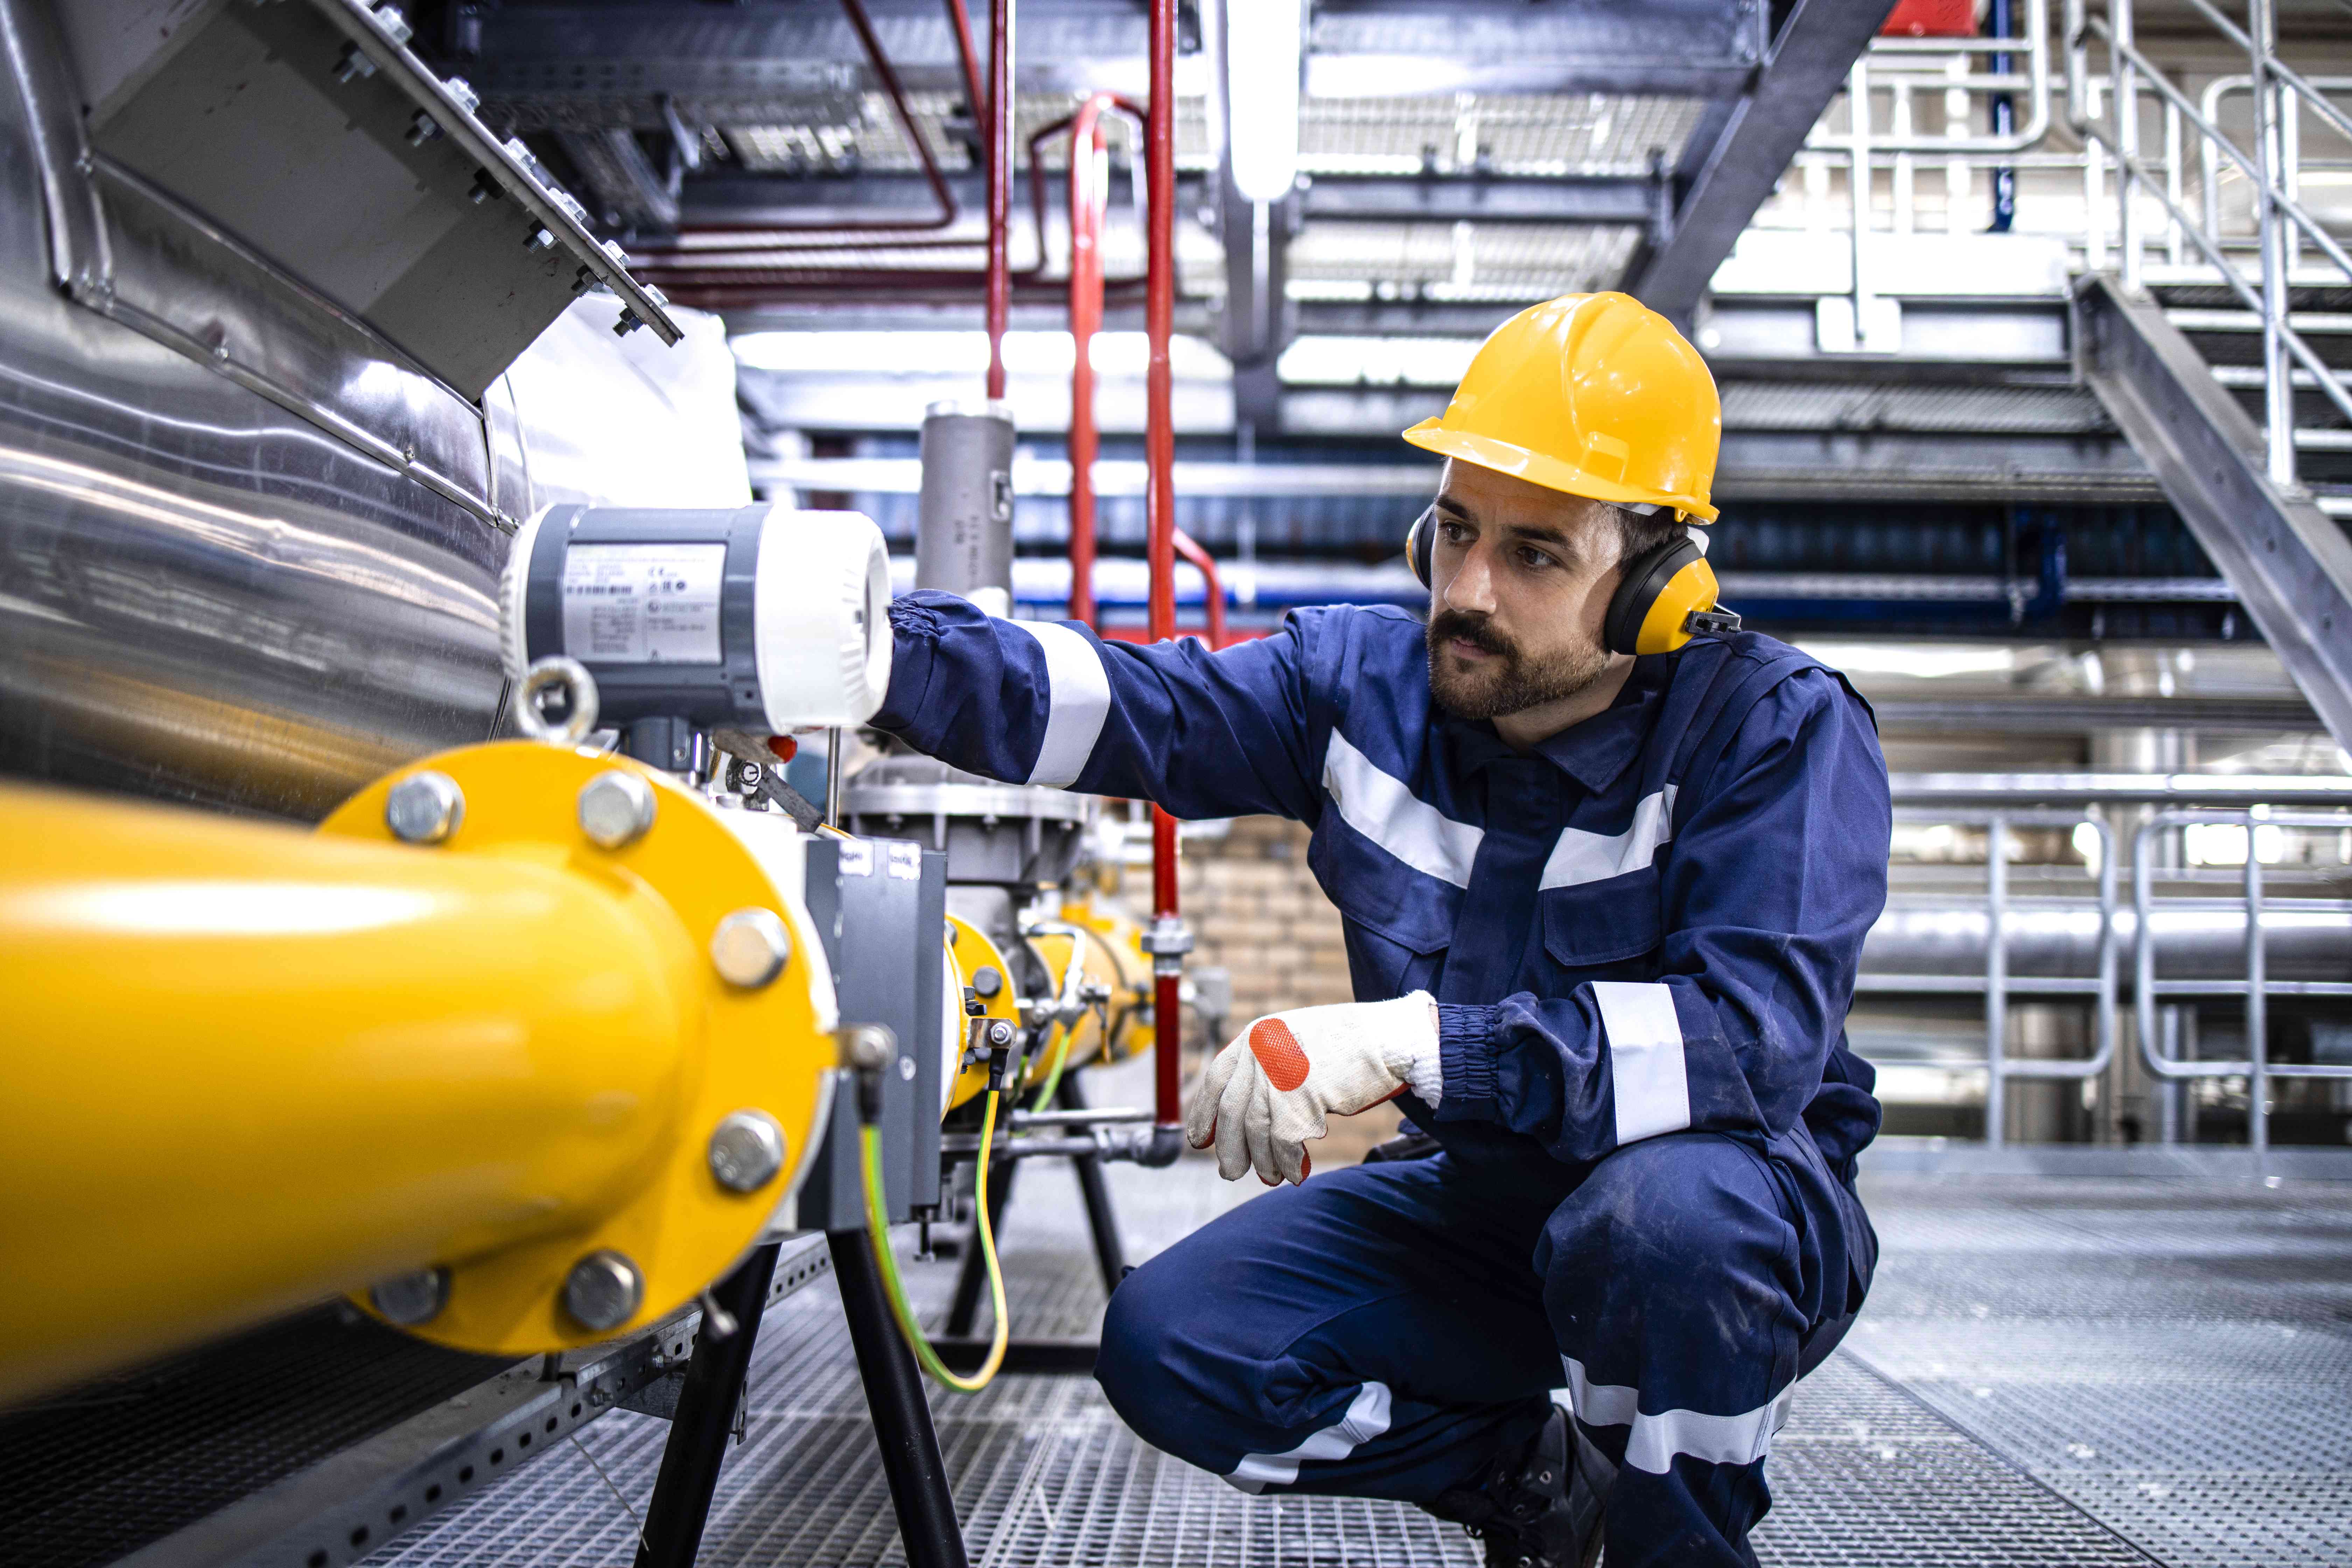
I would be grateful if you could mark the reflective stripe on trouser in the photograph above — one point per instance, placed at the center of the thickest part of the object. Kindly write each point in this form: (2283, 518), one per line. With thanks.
(1380, 1332)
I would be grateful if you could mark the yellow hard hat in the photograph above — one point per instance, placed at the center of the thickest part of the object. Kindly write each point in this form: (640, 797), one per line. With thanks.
(1595, 394)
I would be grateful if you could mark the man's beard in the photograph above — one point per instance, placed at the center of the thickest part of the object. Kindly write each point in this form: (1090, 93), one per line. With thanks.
(1511, 681)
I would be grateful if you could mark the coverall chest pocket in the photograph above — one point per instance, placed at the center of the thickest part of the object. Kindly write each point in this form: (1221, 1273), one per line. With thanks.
(1399, 923)
(1602, 931)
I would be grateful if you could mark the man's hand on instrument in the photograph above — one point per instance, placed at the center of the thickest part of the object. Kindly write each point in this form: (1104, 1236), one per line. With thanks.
(1270, 1091)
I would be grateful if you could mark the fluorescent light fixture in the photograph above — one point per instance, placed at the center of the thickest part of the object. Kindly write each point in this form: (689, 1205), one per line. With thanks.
(1264, 43)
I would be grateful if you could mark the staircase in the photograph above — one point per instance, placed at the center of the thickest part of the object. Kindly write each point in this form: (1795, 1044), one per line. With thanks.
(2232, 377)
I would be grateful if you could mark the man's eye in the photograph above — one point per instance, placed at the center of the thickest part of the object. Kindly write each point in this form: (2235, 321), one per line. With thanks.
(1535, 560)
(1452, 532)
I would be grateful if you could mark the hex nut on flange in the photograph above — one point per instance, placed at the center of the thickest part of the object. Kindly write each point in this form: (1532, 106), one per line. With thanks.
(424, 809)
(410, 1298)
(615, 808)
(604, 1291)
(869, 1047)
(750, 948)
(746, 1150)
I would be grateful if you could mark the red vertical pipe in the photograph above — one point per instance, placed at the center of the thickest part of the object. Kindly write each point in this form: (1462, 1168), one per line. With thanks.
(1160, 453)
(1192, 550)
(1000, 185)
(1087, 201)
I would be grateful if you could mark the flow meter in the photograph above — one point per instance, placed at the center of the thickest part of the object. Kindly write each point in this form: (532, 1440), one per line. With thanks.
(761, 619)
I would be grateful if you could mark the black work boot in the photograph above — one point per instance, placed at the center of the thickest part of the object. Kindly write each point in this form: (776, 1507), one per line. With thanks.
(1543, 1511)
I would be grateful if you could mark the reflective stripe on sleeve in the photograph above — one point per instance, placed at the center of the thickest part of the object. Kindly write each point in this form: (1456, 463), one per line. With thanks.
(1646, 1069)
(1079, 693)
(1383, 810)
(1366, 1418)
(1656, 1439)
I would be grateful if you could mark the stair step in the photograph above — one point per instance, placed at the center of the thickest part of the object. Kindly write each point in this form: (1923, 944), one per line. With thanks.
(2193, 320)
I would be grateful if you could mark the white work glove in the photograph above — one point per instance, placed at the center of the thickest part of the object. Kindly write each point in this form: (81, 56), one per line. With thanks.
(1270, 1091)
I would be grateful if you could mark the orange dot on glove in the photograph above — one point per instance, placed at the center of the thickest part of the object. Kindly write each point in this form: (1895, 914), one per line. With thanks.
(1277, 1052)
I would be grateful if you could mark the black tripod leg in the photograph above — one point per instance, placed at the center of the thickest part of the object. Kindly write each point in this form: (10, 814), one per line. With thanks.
(706, 1411)
(1111, 1254)
(971, 1274)
(902, 1419)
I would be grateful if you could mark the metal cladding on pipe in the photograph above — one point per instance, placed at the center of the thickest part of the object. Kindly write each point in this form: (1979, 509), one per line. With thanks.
(963, 535)
(254, 1067)
(2199, 939)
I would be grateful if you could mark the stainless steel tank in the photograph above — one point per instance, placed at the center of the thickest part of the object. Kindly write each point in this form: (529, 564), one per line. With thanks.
(247, 547)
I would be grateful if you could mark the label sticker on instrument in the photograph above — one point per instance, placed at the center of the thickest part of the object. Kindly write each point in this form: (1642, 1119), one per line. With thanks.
(643, 604)
(856, 858)
(906, 862)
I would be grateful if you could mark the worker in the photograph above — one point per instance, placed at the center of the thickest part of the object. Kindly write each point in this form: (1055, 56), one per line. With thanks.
(1605, 865)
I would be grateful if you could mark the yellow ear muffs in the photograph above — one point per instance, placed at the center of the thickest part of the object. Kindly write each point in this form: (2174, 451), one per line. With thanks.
(1667, 596)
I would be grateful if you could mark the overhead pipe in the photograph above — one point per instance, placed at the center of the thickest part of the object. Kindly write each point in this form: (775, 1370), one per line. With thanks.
(734, 276)
(1168, 941)
(1000, 203)
(888, 75)
(1089, 205)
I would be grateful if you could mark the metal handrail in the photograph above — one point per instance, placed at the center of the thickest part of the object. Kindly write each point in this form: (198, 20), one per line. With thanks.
(1998, 986)
(2283, 224)
(2033, 43)
(2270, 304)
(2258, 1069)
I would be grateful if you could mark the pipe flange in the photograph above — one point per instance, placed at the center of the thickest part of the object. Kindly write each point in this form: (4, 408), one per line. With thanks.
(756, 1055)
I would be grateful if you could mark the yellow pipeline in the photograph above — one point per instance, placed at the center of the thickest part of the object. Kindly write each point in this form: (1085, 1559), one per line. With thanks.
(249, 1066)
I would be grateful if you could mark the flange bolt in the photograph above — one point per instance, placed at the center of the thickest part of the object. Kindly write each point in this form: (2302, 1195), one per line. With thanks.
(1000, 1034)
(868, 1048)
(410, 1298)
(424, 809)
(746, 1150)
(602, 1290)
(615, 808)
(750, 948)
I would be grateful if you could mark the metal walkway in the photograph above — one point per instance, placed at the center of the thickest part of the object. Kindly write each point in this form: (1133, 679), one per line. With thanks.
(2049, 1371)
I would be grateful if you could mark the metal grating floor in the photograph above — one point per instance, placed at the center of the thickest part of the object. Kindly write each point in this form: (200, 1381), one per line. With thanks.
(2049, 1372)
(110, 1464)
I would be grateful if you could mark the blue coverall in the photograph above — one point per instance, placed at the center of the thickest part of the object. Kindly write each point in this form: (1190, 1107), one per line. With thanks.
(1643, 938)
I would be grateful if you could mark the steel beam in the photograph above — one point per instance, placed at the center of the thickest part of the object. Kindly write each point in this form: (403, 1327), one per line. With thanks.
(1373, 48)
(1450, 198)
(708, 53)
(1804, 70)
(736, 197)
(1705, 48)
(2290, 562)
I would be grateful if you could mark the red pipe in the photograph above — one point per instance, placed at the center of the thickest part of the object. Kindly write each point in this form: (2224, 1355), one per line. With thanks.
(1160, 453)
(1000, 186)
(1088, 203)
(1192, 550)
(975, 96)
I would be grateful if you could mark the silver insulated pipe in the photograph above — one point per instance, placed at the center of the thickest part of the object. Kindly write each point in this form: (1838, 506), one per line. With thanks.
(963, 539)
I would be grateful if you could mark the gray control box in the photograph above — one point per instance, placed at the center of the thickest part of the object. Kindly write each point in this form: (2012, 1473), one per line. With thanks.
(880, 907)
